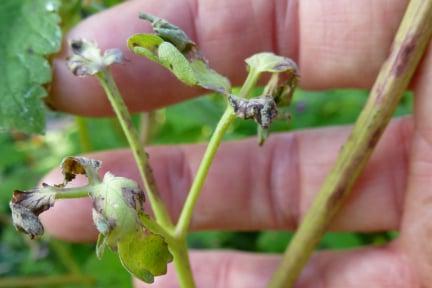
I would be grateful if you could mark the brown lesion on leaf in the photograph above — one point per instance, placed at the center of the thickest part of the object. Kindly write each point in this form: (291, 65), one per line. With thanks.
(134, 198)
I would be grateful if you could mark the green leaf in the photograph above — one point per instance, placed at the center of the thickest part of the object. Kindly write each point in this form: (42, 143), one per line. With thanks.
(144, 255)
(100, 245)
(145, 45)
(173, 59)
(269, 62)
(173, 49)
(209, 78)
(29, 32)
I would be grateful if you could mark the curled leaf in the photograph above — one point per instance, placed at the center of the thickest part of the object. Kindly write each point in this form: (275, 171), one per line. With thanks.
(26, 207)
(172, 59)
(270, 62)
(145, 45)
(116, 202)
(280, 88)
(263, 110)
(87, 58)
(72, 166)
(173, 49)
(169, 32)
(144, 255)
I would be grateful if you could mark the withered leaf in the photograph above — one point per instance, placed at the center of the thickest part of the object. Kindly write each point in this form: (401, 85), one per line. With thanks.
(263, 110)
(87, 58)
(169, 32)
(72, 166)
(26, 207)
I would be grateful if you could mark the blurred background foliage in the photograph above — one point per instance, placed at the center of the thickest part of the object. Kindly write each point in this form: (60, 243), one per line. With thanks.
(26, 158)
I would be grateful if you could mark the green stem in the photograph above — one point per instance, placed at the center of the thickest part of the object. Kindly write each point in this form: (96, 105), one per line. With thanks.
(249, 83)
(224, 123)
(141, 157)
(57, 281)
(145, 127)
(155, 228)
(185, 217)
(409, 45)
(182, 264)
(84, 135)
(70, 193)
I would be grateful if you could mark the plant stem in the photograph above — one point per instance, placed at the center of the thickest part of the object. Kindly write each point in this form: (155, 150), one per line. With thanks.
(408, 47)
(145, 127)
(57, 281)
(224, 123)
(84, 135)
(249, 83)
(182, 264)
(185, 217)
(155, 228)
(70, 193)
(141, 157)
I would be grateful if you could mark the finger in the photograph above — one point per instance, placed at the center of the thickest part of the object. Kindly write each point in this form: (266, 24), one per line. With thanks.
(337, 44)
(416, 227)
(253, 188)
(366, 267)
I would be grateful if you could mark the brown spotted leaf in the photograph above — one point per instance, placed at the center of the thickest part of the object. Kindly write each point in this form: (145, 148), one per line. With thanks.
(26, 207)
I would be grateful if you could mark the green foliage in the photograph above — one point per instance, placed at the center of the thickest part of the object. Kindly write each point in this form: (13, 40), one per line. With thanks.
(144, 255)
(29, 32)
(269, 62)
(173, 49)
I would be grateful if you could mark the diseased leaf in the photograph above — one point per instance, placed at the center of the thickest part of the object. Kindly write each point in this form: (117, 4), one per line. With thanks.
(174, 50)
(209, 78)
(144, 255)
(263, 110)
(29, 32)
(169, 32)
(72, 166)
(269, 62)
(26, 207)
(87, 59)
(115, 201)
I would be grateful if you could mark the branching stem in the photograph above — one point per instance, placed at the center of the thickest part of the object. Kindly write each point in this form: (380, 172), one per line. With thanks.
(224, 123)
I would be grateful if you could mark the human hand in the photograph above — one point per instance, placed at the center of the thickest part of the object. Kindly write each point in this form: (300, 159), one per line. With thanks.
(337, 44)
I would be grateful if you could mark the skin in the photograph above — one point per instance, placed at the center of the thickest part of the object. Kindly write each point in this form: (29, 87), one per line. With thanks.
(337, 44)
